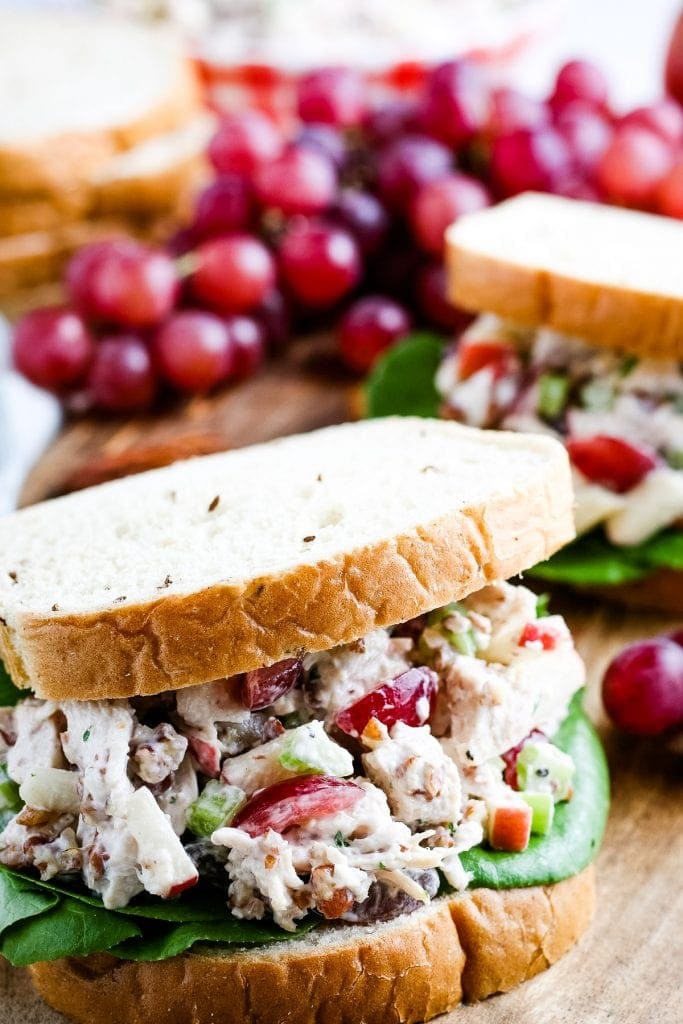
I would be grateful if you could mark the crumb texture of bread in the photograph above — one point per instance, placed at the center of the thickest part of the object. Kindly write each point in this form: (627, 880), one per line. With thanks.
(607, 275)
(225, 563)
(461, 948)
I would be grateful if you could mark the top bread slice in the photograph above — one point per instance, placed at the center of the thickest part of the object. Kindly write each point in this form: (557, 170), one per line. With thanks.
(608, 275)
(80, 89)
(229, 562)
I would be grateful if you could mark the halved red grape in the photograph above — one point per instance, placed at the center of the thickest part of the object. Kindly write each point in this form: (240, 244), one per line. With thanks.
(233, 274)
(122, 376)
(206, 754)
(437, 204)
(530, 159)
(633, 166)
(409, 698)
(333, 95)
(195, 351)
(123, 281)
(263, 686)
(431, 294)
(406, 164)
(320, 263)
(244, 142)
(223, 206)
(612, 462)
(247, 338)
(643, 687)
(510, 756)
(457, 102)
(52, 348)
(369, 326)
(301, 180)
(296, 801)
(579, 80)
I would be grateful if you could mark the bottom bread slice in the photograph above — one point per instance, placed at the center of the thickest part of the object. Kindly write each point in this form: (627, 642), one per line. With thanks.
(461, 948)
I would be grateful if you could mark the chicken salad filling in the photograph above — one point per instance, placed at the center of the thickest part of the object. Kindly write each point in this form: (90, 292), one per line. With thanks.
(345, 783)
(621, 418)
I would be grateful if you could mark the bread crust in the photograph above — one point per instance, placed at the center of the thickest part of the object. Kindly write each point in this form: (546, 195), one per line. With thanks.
(606, 316)
(465, 947)
(56, 165)
(181, 640)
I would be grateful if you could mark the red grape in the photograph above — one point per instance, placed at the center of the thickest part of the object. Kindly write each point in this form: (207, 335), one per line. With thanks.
(273, 315)
(677, 637)
(664, 118)
(406, 164)
(409, 698)
(364, 216)
(529, 160)
(296, 801)
(438, 203)
(233, 274)
(52, 348)
(431, 293)
(586, 131)
(457, 103)
(512, 109)
(670, 192)
(370, 326)
(244, 142)
(320, 263)
(673, 74)
(579, 80)
(263, 686)
(332, 96)
(122, 376)
(195, 351)
(247, 337)
(633, 165)
(223, 206)
(301, 180)
(391, 119)
(326, 140)
(576, 187)
(616, 464)
(643, 687)
(123, 281)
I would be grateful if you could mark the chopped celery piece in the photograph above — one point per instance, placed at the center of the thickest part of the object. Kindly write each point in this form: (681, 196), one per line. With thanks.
(553, 389)
(310, 749)
(675, 459)
(436, 617)
(215, 806)
(542, 605)
(464, 643)
(542, 812)
(9, 792)
(544, 768)
(597, 395)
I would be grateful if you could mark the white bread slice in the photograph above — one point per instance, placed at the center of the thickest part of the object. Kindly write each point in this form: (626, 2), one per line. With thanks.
(459, 948)
(221, 564)
(81, 88)
(608, 275)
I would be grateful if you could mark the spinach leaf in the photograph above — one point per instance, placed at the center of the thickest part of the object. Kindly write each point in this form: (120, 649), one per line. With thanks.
(592, 561)
(68, 929)
(9, 693)
(577, 830)
(402, 382)
(160, 944)
(20, 900)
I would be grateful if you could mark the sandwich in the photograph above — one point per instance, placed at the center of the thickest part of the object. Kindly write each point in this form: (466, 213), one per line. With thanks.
(579, 335)
(279, 742)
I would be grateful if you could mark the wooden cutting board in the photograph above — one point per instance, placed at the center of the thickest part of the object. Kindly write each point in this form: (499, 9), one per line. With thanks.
(628, 969)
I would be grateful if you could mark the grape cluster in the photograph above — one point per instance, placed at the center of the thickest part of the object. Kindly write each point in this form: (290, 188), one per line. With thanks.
(339, 219)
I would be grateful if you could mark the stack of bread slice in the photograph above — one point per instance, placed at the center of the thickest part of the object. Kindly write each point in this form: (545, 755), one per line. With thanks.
(103, 132)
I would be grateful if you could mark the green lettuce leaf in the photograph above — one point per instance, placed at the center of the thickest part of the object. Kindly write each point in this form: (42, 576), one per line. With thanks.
(9, 694)
(578, 827)
(168, 942)
(20, 900)
(402, 382)
(592, 561)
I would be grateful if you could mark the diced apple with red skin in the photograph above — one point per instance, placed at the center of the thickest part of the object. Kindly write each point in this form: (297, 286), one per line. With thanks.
(296, 801)
(510, 827)
(164, 867)
(206, 754)
(535, 633)
(481, 353)
(409, 698)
